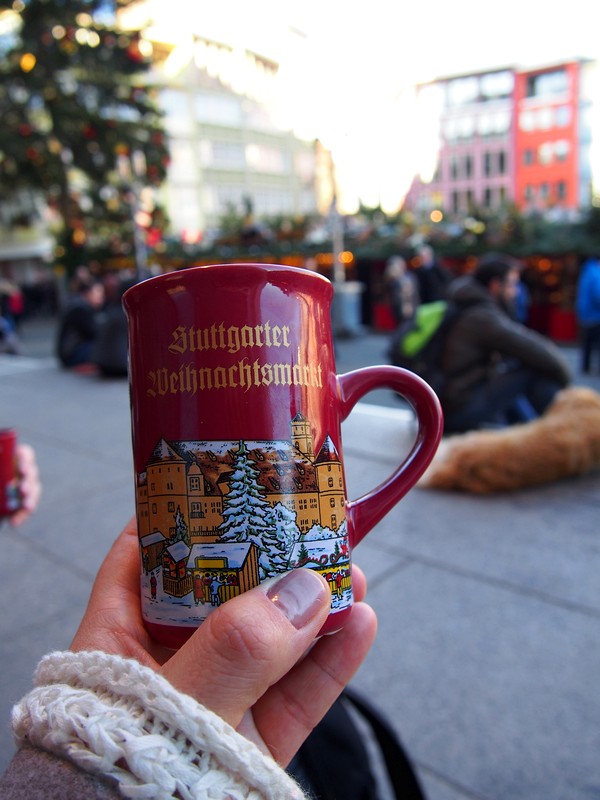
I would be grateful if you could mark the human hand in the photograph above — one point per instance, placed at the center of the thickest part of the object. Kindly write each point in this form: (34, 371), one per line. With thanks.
(254, 661)
(30, 487)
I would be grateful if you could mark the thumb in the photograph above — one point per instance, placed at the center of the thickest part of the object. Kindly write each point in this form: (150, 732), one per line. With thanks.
(248, 643)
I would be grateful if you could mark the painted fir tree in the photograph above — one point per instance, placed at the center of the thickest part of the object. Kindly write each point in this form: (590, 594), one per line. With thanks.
(247, 516)
(181, 528)
(302, 554)
(81, 130)
(286, 527)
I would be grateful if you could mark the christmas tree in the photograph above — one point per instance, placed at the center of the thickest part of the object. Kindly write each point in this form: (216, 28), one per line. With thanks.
(247, 516)
(80, 126)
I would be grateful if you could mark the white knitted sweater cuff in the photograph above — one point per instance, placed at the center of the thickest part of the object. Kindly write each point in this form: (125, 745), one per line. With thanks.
(115, 718)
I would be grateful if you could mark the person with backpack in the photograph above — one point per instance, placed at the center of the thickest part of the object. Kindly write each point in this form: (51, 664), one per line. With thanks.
(495, 370)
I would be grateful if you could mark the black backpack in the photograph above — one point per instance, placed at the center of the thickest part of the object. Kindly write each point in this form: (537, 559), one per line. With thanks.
(417, 344)
(334, 762)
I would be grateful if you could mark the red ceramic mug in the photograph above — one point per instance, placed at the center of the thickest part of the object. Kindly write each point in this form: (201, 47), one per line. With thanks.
(10, 498)
(236, 413)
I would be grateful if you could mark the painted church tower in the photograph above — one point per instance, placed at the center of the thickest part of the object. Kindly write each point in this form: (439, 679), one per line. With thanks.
(330, 482)
(302, 440)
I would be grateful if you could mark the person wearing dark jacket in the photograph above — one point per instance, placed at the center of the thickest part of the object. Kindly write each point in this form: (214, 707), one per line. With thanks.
(78, 327)
(432, 278)
(496, 371)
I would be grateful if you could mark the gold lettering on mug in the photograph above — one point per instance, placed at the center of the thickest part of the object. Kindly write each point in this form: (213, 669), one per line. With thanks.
(245, 374)
(232, 339)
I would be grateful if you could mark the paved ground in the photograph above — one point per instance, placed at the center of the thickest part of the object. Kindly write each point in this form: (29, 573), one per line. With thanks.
(488, 653)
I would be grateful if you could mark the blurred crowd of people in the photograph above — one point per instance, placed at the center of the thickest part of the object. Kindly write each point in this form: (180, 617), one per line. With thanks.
(495, 370)
(92, 329)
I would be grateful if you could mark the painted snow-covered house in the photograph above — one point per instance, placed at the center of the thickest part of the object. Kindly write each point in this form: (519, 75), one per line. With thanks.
(222, 571)
(152, 546)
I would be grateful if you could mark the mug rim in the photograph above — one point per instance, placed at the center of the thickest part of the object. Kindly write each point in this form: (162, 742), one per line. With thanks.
(301, 272)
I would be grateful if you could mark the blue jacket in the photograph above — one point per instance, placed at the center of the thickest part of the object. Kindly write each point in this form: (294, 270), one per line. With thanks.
(587, 304)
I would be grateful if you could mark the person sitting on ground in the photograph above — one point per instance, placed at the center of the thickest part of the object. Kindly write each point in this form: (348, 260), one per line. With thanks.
(119, 715)
(109, 352)
(496, 371)
(78, 326)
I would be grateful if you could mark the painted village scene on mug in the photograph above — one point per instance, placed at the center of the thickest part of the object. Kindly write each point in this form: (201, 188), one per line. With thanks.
(215, 518)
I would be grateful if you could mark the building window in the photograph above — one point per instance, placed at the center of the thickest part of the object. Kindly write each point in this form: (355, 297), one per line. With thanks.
(561, 190)
(528, 156)
(497, 84)
(194, 484)
(544, 191)
(468, 166)
(527, 120)
(562, 116)
(332, 502)
(454, 168)
(501, 163)
(487, 164)
(545, 152)
(547, 84)
(330, 483)
(154, 509)
(545, 119)
(487, 197)
(528, 192)
(462, 91)
(561, 150)
(454, 202)
(171, 507)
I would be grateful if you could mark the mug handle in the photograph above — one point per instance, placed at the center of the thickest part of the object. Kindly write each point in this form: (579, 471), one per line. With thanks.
(366, 511)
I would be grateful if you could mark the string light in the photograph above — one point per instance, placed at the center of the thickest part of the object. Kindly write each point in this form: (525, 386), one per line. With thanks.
(27, 62)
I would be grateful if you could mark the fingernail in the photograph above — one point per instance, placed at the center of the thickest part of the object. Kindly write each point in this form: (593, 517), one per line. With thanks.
(299, 595)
